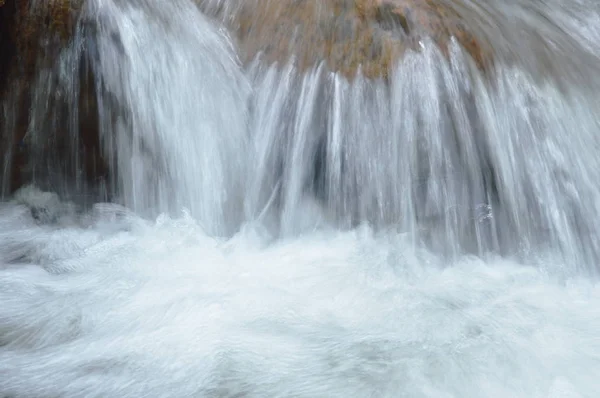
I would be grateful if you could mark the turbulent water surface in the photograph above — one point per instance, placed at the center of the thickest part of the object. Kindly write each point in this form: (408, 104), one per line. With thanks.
(276, 232)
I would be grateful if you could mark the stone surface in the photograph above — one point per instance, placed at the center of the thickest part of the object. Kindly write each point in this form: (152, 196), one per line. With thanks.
(345, 34)
(32, 34)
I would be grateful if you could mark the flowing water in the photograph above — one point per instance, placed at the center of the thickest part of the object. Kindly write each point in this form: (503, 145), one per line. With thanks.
(278, 232)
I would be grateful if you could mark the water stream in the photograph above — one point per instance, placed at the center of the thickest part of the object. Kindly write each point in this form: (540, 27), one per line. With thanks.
(273, 231)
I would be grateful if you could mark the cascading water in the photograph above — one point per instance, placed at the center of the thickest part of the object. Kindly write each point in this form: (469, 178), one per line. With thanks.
(429, 233)
(179, 133)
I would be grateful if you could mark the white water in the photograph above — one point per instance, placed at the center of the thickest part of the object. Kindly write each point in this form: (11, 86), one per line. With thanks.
(123, 307)
(269, 284)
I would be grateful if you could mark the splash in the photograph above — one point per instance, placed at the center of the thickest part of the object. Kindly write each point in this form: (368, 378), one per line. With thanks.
(179, 134)
(464, 160)
(277, 230)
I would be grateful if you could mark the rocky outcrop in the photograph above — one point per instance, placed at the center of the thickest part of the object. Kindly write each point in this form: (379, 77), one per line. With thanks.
(347, 35)
(32, 35)
(30, 28)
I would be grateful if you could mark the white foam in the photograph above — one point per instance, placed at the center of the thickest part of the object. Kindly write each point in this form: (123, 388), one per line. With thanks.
(164, 310)
(306, 301)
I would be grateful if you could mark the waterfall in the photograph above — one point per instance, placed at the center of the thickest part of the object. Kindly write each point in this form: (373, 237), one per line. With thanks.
(464, 161)
(176, 109)
(275, 229)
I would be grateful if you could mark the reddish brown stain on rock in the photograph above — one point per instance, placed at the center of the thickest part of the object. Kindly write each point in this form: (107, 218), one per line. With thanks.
(441, 22)
(348, 34)
(31, 38)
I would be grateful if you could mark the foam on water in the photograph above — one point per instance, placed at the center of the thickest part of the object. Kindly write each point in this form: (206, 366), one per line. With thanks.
(430, 235)
(162, 309)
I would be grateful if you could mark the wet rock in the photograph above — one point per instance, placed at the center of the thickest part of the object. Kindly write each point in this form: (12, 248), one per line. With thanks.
(33, 33)
(32, 27)
(348, 35)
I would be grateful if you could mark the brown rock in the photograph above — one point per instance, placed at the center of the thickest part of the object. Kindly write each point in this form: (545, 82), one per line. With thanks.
(32, 34)
(32, 25)
(345, 34)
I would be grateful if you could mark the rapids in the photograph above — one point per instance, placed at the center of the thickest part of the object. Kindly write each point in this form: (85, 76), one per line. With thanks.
(277, 232)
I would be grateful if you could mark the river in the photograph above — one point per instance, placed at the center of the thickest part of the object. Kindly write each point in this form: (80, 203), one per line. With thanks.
(277, 232)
